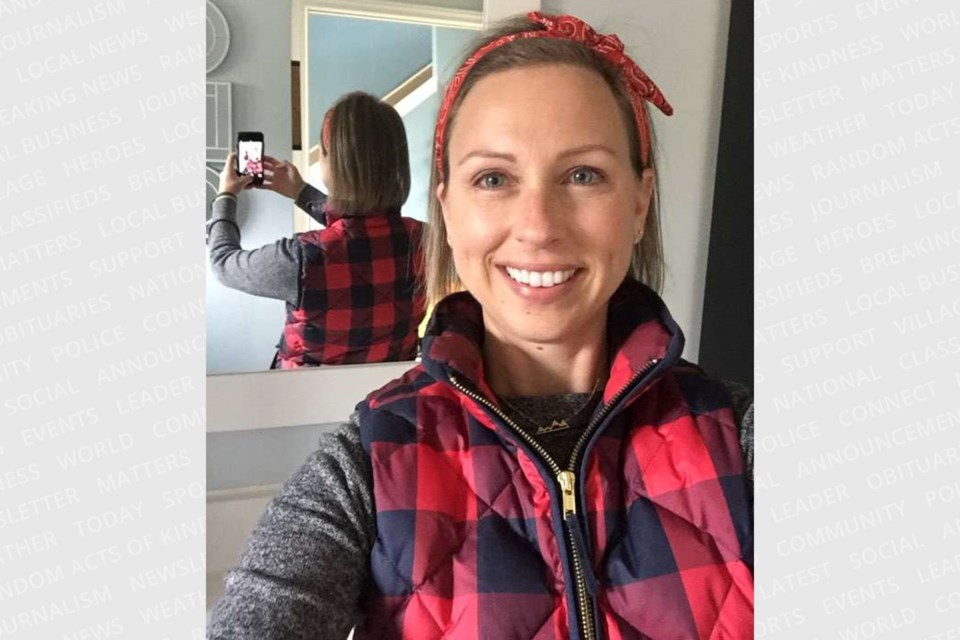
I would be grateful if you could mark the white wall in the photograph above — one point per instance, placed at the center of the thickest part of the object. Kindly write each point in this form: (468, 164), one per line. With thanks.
(243, 329)
(681, 44)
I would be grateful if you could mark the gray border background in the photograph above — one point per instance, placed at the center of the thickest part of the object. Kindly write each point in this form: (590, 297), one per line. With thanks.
(101, 317)
(857, 307)
(101, 320)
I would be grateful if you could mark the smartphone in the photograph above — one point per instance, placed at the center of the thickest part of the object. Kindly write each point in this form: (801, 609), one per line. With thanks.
(250, 155)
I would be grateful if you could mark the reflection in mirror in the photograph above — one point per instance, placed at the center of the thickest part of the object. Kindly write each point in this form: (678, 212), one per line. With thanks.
(398, 52)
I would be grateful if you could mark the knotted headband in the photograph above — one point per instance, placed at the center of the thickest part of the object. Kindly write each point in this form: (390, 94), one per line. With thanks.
(640, 87)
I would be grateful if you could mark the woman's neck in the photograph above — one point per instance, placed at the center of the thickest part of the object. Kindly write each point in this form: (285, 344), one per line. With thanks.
(520, 369)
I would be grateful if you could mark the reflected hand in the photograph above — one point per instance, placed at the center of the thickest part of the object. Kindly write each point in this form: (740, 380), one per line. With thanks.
(230, 180)
(282, 177)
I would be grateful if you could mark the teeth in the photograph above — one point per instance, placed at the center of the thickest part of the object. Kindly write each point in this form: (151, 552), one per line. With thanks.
(540, 278)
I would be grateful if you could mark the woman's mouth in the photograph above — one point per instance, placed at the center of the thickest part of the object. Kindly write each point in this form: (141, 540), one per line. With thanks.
(539, 279)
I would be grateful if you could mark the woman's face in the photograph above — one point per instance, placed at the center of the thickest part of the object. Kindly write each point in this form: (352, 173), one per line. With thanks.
(542, 206)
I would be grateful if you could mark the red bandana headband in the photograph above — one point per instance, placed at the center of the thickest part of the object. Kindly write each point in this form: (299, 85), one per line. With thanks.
(639, 86)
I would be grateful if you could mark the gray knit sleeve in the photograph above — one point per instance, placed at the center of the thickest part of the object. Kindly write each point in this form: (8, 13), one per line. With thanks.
(272, 271)
(307, 561)
(311, 200)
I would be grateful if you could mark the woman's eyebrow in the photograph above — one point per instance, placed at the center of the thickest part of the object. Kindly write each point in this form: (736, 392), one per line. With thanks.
(509, 157)
(587, 148)
(486, 153)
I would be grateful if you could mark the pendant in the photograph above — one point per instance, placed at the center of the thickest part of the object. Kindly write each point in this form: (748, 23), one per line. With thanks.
(556, 425)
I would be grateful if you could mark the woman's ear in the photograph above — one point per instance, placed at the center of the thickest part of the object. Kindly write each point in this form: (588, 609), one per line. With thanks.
(644, 196)
(441, 198)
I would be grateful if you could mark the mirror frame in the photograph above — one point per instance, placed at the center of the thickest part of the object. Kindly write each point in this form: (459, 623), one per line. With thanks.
(310, 395)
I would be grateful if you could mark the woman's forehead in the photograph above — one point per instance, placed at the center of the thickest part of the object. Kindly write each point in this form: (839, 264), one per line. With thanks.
(539, 83)
(562, 103)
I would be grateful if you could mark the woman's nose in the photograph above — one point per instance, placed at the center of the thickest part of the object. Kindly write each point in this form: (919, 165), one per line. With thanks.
(538, 218)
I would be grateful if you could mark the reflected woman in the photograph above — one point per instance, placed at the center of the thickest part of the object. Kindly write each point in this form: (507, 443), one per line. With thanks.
(350, 288)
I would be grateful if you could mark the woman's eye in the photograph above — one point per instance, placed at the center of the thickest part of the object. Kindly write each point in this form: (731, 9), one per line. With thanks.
(584, 175)
(492, 181)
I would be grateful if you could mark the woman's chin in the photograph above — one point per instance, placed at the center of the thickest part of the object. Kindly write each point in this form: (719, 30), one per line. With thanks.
(543, 327)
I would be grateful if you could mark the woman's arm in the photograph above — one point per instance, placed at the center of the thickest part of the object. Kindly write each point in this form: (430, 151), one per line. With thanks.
(311, 200)
(284, 178)
(306, 562)
(272, 271)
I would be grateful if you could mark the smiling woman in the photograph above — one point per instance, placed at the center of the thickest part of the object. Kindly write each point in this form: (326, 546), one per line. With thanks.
(538, 187)
(552, 466)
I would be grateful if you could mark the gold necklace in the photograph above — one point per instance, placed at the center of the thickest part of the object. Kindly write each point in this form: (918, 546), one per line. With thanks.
(555, 425)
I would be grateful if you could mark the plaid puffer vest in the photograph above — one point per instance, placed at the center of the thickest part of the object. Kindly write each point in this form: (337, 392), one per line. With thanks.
(358, 295)
(477, 539)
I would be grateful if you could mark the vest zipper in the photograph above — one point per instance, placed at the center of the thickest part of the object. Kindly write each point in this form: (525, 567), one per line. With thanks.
(605, 409)
(567, 479)
(568, 486)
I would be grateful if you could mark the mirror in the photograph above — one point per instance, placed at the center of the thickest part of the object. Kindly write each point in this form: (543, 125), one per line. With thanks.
(397, 51)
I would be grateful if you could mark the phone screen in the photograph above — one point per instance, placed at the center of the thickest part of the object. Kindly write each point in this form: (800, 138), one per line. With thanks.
(250, 158)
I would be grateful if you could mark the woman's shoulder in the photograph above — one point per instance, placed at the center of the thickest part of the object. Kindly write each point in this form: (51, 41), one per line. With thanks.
(741, 403)
(394, 402)
(413, 225)
(705, 392)
(339, 456)
(712, 389)
(741, 398)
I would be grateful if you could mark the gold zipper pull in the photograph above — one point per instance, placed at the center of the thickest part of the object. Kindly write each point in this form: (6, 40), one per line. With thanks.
(568, 484)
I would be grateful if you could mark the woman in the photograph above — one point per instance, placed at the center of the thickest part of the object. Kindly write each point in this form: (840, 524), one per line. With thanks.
(552, 469)
(350, 288)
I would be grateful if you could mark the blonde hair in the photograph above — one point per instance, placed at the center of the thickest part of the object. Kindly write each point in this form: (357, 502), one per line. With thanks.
(369, 161)
(646, 264)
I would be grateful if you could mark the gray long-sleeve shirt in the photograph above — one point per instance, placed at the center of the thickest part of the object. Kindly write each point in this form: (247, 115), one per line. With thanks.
(307, 561)
(273, 270)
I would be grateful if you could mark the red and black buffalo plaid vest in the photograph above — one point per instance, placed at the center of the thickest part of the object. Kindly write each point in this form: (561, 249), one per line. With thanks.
(475, 538)
(358, 293)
